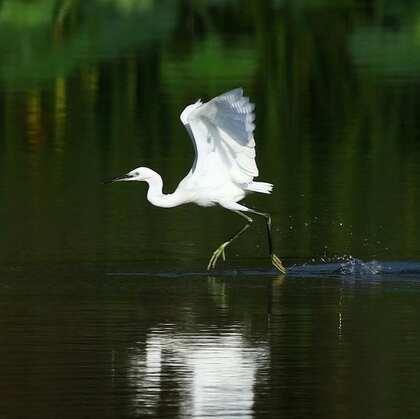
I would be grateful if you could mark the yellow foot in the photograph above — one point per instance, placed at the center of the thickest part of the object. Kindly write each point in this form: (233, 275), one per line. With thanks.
(220, 251)
(278, 264)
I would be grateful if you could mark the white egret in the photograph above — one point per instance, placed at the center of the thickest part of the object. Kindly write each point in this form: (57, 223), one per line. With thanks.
(224, 167)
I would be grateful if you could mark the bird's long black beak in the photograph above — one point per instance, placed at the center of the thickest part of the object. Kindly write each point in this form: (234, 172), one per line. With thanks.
(118, 178)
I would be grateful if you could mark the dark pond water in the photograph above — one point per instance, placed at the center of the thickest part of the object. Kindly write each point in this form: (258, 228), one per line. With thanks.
(106, 309)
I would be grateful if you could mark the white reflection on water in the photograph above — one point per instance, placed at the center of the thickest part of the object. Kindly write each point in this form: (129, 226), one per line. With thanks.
(203, 375)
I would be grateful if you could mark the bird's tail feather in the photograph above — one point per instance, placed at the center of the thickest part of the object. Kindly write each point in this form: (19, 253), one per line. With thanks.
(261, 187)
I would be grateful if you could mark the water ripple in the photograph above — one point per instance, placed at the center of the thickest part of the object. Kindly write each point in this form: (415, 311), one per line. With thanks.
(339, 267)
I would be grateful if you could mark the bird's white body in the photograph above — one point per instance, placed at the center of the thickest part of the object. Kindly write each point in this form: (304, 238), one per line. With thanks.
(222, 174)
(224, 167)
(188, 191)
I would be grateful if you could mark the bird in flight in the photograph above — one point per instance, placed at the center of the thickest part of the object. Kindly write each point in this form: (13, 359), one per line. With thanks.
(224, 167)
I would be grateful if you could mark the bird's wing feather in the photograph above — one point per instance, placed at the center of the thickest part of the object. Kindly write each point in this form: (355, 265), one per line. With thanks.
(222, 132)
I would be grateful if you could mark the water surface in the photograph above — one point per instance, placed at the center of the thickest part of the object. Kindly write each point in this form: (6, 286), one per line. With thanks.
(87, 344)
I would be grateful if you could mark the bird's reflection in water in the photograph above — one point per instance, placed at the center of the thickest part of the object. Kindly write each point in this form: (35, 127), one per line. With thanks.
(211, 373)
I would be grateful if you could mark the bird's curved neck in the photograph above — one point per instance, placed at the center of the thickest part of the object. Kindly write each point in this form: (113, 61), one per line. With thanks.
(155, 195)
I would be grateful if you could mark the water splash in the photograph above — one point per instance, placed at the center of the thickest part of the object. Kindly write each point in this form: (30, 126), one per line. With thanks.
(350, 267)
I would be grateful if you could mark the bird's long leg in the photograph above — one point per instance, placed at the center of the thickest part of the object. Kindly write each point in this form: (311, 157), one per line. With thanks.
(274, 259)
(220, 251)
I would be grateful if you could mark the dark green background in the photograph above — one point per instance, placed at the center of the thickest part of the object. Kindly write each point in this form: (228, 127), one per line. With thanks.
(89, 90)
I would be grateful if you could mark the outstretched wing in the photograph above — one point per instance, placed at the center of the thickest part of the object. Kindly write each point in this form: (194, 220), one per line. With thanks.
(222, 134)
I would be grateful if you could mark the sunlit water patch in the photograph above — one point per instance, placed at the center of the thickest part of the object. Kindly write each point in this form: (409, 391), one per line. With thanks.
(218, 371)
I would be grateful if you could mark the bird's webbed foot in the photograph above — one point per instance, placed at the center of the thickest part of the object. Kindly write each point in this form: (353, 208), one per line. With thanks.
(277, 263)
(220, 251)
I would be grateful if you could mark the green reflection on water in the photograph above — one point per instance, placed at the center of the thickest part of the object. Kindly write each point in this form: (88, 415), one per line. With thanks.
(92, 89)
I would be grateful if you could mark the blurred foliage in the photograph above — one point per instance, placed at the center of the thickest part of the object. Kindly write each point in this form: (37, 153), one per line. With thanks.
(52, 38)
(89, 89)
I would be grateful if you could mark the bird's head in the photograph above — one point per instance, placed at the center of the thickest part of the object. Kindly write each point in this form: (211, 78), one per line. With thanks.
(139, 174)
